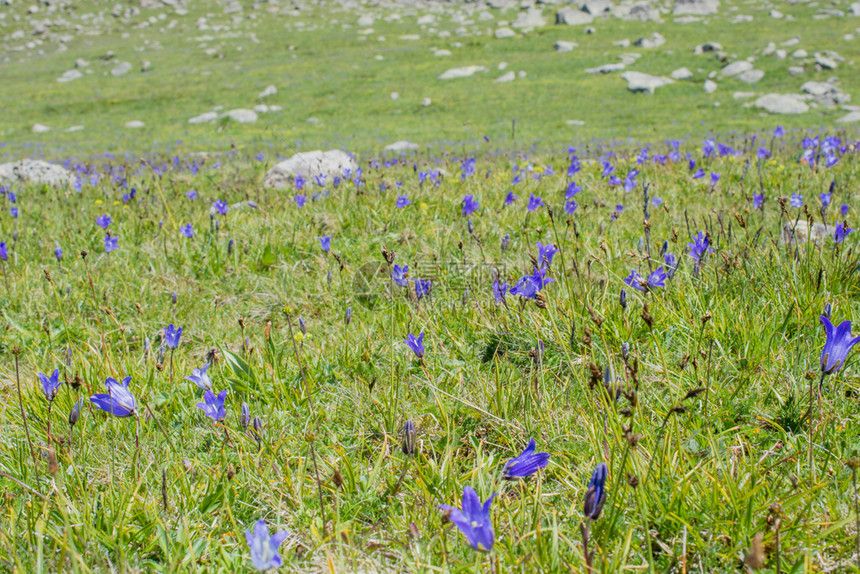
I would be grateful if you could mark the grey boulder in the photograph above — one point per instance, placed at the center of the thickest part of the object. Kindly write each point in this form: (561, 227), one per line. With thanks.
(34, 171)
(308, 165)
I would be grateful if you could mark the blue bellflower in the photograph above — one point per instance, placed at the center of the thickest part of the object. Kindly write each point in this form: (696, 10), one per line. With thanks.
(534, 202)
(510, 198)
(699, 247)
(402, 201)
(399, 274)
(837, 345)
(499, 291)
(201, 378)
(213, 405)
(545, 254)
(841, 232)
(264, 549)
(50, 385)
(470, 205)
(526, 464)
(118, 401)
(422, 287)
(103, 221)
(325, 243)
(111, 243)
(530, 285)
(172, 335)
(595, 496)
(657, 278)
(187, 230)
(473, 519)
(416, 344)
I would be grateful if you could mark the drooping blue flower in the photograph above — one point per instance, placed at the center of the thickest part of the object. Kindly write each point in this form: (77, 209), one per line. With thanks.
(530, 285)
(422, 287)
(301, 199)
(416, 344)
(843, 210)
(325, 243)
(500, 290)
(595, 496)
(572, 190)
(841, 232)
(824, 197)
(187, 230)
(103, 221)
(534, 202)
(715, 177)
(545, 254)
(796, 200)
(838, 343)
(570, 207)
(657, 278)
(172, 335)
(762, 153)
(510, 198)
(4, 252)
(191, 194)
(470, 205)
(201, 378)
(699, 174)
(779, 132)
(402, 201)
(699, 247)
(58, 253)
(473, 519)
(220, 206)
(526, 464)
(758, 200)
(348, 316)
(831, 160)
(118, 401)
(264, 549)
(50, 385)
(213, 406)
(111, 243)
(399, 274)
(13, 211)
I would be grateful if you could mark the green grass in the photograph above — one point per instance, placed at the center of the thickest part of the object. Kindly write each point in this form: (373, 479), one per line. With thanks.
(705, 479)
(331, 73)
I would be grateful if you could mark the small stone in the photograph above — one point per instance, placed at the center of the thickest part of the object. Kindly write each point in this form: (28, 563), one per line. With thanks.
(134, 124)
(40, 128)
(203, 118)
(681, 74)
(502, 33)
(121, 69)
(561, 46)
(269, 91)
(508, 77)
(710, 86)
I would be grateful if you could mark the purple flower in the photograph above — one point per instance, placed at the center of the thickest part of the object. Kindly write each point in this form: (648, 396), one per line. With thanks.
(657, 278)
(796, 200)
(656, 201)
(473, 519)
(399, 274)
(13, 211)
(50, 385)
(191, 194)
(825, 199)
(843, 210)
(779, 132)
(4, 253)
(201, 378)
(831, 160)
(422, 287)
(470, 205)
(758, 200)
(348, 316)
(570, 207)
(499, 291)
(762, 153)
(595, 496)
(299, 182)
(213, 406)
(715, 177)
(118, 401)
(300, 200)
(172, 335)
(325, 243)
(545, 254)
(416, 344)
(260, 156)
(264, 549)
(530, 285)
(220, 206)
(699, 174)
(699, 247)
(572, 190)
(187, 230)
(837, 345)
(402, 201)
(58, 253)
(841, 232)
(510, 198)
(111, 243)
(534, 202)
(526, 464)
(103, 221)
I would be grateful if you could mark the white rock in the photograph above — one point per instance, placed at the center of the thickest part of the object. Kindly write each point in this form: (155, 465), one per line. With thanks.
(696, 7)
(795, 70)
(750, 76)
(561, 46)
(573, 17)
(308, 165)
(121, 69)
(261, 108)
(655, 40)
(851, 118)
(34, 171)
(464, 72)
(241, 116)
(426, 102)
(134, 124)
(70, 76)
(710, 86)
(646, 83)
(502, 33)
(365, 21)
(736, 68)
(508, 77)
(269, 91)
(605, 69)
(203, 118)
(681, 74)
(40, 128)
(782, 104)
(74, 128)
(442, 53)
(400, 146)
(532, 18)
(395, 96)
